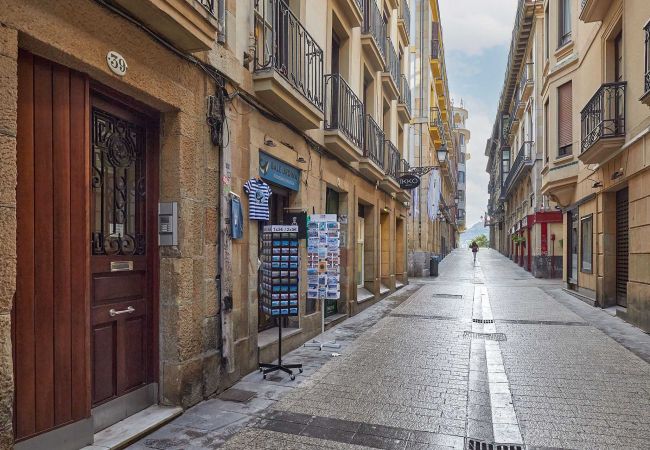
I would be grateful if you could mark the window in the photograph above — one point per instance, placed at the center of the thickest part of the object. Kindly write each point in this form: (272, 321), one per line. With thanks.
(360, 246)
(586, 244)
(331, 201)
(565, 119)
(462, 140)
(462, 158)
(505, 164)
(461, 196)
(546, 33)
(461, 177)
(646, 86)
(564, 22)
(546, 127)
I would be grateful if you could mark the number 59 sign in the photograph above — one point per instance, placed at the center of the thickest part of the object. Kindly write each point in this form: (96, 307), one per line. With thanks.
(116, 63)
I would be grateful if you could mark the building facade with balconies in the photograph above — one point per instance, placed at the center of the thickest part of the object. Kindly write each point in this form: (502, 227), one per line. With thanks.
(524, 222)
(595, 96)
(135, 126)
(462, 136)
(433, 225)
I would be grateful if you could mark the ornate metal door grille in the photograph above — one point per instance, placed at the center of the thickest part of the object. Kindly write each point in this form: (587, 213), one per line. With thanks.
(119, 186)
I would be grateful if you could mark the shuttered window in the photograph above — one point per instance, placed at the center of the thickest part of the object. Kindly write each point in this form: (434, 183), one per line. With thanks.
(565, 123)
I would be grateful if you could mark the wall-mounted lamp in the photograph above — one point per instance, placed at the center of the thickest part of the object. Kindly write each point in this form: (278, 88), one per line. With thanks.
(301, 160)
(268, 141)
(618, 174)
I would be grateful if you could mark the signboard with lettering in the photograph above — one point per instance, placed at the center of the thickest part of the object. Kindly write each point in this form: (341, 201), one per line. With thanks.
(408, 181)
(279, 172)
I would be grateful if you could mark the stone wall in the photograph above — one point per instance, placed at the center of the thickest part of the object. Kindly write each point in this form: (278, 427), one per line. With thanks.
(8, 173)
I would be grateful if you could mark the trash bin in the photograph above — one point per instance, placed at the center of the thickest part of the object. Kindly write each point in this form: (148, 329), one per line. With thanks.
(433, 266)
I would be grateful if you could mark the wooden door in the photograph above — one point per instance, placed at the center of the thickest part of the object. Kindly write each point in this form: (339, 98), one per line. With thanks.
(123, 240)
(50, 316)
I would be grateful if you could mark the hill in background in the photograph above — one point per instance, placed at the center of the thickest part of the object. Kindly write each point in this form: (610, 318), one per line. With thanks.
(471, 233)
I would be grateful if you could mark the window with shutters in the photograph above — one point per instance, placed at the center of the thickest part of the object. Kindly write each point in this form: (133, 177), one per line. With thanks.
(564, 119)
(564, 22)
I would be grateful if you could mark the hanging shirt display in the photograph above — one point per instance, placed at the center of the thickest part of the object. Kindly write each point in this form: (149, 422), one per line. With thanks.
(258, 199)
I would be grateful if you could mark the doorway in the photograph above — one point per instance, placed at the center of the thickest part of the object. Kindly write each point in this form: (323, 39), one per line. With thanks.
(360, 246)
(572, 260)
(123, 241)
(332, 202)
(622, 246)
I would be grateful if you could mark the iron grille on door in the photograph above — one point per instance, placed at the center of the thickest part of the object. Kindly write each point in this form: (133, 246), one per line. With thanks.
(622, 248)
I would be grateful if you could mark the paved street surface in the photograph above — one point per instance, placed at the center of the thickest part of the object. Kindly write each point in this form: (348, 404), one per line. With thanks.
(483, 352)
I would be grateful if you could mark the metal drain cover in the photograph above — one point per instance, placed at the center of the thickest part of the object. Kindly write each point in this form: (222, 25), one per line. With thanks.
(236, 395)
(485, 336)
(448, 296)
(483, 320)
(476, 444)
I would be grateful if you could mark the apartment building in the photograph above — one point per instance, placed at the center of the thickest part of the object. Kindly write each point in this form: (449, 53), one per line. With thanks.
(591, 87)
(129, 131)
(461, 136)
(524, 223)
(433, 228)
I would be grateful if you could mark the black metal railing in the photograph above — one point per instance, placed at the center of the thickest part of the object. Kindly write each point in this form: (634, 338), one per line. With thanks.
(435, 119)
(283, 44)
(373, 141)
(526, 76)
(208, 5)
(583, 3)
(405, 167)
(435, 48)
(405, 15)
(343, 109)
(604, 114)
(392, 159)
(405, 93)
(646, 84)
(392, 62)
(524, 156)
(373, 24)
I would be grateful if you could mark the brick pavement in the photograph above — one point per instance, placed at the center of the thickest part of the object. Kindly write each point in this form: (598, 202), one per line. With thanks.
(409, 376)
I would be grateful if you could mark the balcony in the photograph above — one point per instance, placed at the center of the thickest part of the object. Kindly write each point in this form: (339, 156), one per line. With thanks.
(404, 103)
(353, 11)
(404, 21)
(523, 162)
(603, 123)
(436, 128)
(594, 10)
(390, 76)
(373, 34)
(527, 82)
(404, 195)
(645, 98)
(389, 183)
(288, 73)
(343, 135)
(436, 58)
(372, 163)
(519, 105)
(190, 25)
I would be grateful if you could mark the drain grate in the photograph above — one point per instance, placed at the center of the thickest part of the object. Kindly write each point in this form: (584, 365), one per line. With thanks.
(485, 336)
(236, 395)
(483, 320)
(454, 296)
(476, 444)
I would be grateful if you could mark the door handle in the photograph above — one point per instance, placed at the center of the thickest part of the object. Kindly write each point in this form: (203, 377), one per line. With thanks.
(114, 313)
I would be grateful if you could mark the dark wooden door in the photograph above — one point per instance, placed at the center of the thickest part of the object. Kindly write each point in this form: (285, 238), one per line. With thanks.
(122, 239)
(622, 246)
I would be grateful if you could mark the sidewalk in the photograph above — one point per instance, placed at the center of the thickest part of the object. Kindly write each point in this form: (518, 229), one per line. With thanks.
(485, 353)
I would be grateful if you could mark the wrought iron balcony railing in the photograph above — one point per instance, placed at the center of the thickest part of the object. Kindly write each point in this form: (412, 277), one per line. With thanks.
(283, 44)
(208, 5)
(435, 119)
(604, 115)
(646, 84)
(373, 24)
(392, 62)
(524, 156)
(526, 76)
(392, 160)
(343, 109)
(405, 14)
(373, 141)
(405, 92)
(405, 167)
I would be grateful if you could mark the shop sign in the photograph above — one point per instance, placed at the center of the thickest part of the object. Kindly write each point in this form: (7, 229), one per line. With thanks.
(278, 172)
(408, 181)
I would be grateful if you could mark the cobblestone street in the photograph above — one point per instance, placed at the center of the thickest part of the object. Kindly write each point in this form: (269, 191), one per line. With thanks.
(483, 352)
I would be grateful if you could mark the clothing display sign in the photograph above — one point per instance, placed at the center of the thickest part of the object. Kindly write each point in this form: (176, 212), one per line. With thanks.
(258, 198)
(279, 278)
(323, 257)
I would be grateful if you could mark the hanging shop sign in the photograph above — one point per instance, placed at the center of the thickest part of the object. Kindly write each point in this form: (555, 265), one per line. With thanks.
(279, 172)
(408, 181)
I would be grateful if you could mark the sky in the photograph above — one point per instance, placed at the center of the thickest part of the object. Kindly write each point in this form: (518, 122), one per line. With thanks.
(476, 36)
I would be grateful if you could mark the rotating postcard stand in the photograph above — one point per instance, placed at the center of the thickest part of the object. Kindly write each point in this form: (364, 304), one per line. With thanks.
(323, 266)
(279, 282)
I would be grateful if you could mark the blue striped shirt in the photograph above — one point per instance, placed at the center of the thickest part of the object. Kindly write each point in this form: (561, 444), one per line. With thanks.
(258, 199)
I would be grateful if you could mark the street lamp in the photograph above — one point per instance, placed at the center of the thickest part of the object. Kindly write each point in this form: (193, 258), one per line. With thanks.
(442, 153)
